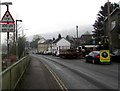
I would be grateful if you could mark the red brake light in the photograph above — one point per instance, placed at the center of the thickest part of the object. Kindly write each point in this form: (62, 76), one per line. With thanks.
(97, 56)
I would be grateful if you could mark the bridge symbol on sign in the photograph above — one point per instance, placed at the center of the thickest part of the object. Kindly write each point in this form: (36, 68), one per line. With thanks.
(7, 23)
(7, 18)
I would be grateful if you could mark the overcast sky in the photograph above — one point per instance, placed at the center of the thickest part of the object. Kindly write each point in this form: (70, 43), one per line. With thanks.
(43, 16)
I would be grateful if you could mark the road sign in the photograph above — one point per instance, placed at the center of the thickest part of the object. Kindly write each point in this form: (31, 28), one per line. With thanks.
(104, 56)
(94, 42)
(8, 27)
(7, 18)
(26, 44)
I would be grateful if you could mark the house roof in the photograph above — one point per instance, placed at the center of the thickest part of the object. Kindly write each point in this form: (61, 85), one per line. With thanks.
(48, 41)
(86, 35)
(70, 40)
(58, 39)
(55, 41)
(115, 10)
(118, 8)
(41, 40)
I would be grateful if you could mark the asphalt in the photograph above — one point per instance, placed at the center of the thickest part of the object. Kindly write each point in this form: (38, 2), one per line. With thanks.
(37, 76)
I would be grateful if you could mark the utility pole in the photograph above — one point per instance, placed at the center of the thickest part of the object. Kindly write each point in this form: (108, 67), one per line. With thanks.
(77, 35)
(109, 25)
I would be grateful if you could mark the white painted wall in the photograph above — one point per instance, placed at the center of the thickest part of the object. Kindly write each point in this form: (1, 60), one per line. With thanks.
(119, 3)
(63, 42)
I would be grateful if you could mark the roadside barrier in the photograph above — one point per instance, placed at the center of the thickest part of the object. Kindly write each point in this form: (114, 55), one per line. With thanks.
(12, 75)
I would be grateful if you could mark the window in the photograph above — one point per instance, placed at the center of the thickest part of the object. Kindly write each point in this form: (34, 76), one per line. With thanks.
(113, 24)
(119, 36)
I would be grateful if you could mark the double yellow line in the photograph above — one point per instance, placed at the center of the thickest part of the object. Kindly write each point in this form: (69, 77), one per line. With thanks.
(60, 83)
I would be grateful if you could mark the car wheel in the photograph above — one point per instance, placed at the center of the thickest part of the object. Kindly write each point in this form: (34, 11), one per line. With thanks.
(87, 60)
(93, 61)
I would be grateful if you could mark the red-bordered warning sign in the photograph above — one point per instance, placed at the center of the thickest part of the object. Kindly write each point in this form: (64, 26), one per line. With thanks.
(7, 18)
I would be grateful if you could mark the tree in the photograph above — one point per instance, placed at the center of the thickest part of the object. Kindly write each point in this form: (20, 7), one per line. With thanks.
(21, 45)
(36, 37)
(12, 45)
(53, 38)
(35, 40)
(59, 36)
(87, 33)
(4, 48)
(99, 23)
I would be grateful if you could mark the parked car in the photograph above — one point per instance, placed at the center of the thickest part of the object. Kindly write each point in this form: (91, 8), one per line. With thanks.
(116, 55)
(94, 57)
(47, 52)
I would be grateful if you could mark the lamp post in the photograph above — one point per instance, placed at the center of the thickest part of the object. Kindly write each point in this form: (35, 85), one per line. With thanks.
(17, 58)
(24, 31)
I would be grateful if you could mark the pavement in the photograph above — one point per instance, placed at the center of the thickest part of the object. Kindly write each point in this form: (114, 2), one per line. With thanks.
(37, 76)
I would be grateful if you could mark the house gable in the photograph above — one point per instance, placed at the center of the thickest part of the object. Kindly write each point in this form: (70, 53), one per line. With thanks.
(42, 40)
(63, 42)
(114, 29)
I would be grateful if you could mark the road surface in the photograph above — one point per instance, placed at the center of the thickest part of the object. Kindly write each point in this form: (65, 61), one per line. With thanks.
(77, 74)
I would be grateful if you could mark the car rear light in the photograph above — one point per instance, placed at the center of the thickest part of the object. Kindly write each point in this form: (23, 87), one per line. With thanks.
(97, 56)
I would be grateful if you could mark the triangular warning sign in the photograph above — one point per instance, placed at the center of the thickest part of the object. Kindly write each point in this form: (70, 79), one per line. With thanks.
(7, 18)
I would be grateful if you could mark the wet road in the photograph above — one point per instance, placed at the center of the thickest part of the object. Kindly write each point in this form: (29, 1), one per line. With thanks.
(77, 74)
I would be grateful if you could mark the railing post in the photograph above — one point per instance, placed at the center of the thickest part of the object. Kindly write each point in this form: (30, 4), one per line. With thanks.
(10, 80)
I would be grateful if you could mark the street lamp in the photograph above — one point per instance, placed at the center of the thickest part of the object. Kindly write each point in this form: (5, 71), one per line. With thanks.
(17, 40)
(7, 4)
(24, 32)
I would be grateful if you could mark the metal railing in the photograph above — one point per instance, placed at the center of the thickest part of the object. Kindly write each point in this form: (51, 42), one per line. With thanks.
(12, 75)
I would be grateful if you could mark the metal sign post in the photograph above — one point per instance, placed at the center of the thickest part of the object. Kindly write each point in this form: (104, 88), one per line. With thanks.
(7, 26)
(8, 59)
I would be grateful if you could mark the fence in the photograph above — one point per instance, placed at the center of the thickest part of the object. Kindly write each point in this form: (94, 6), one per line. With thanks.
(12, 75)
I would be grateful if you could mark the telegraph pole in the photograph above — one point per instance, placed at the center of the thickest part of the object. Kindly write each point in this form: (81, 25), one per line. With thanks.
(77, 35)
